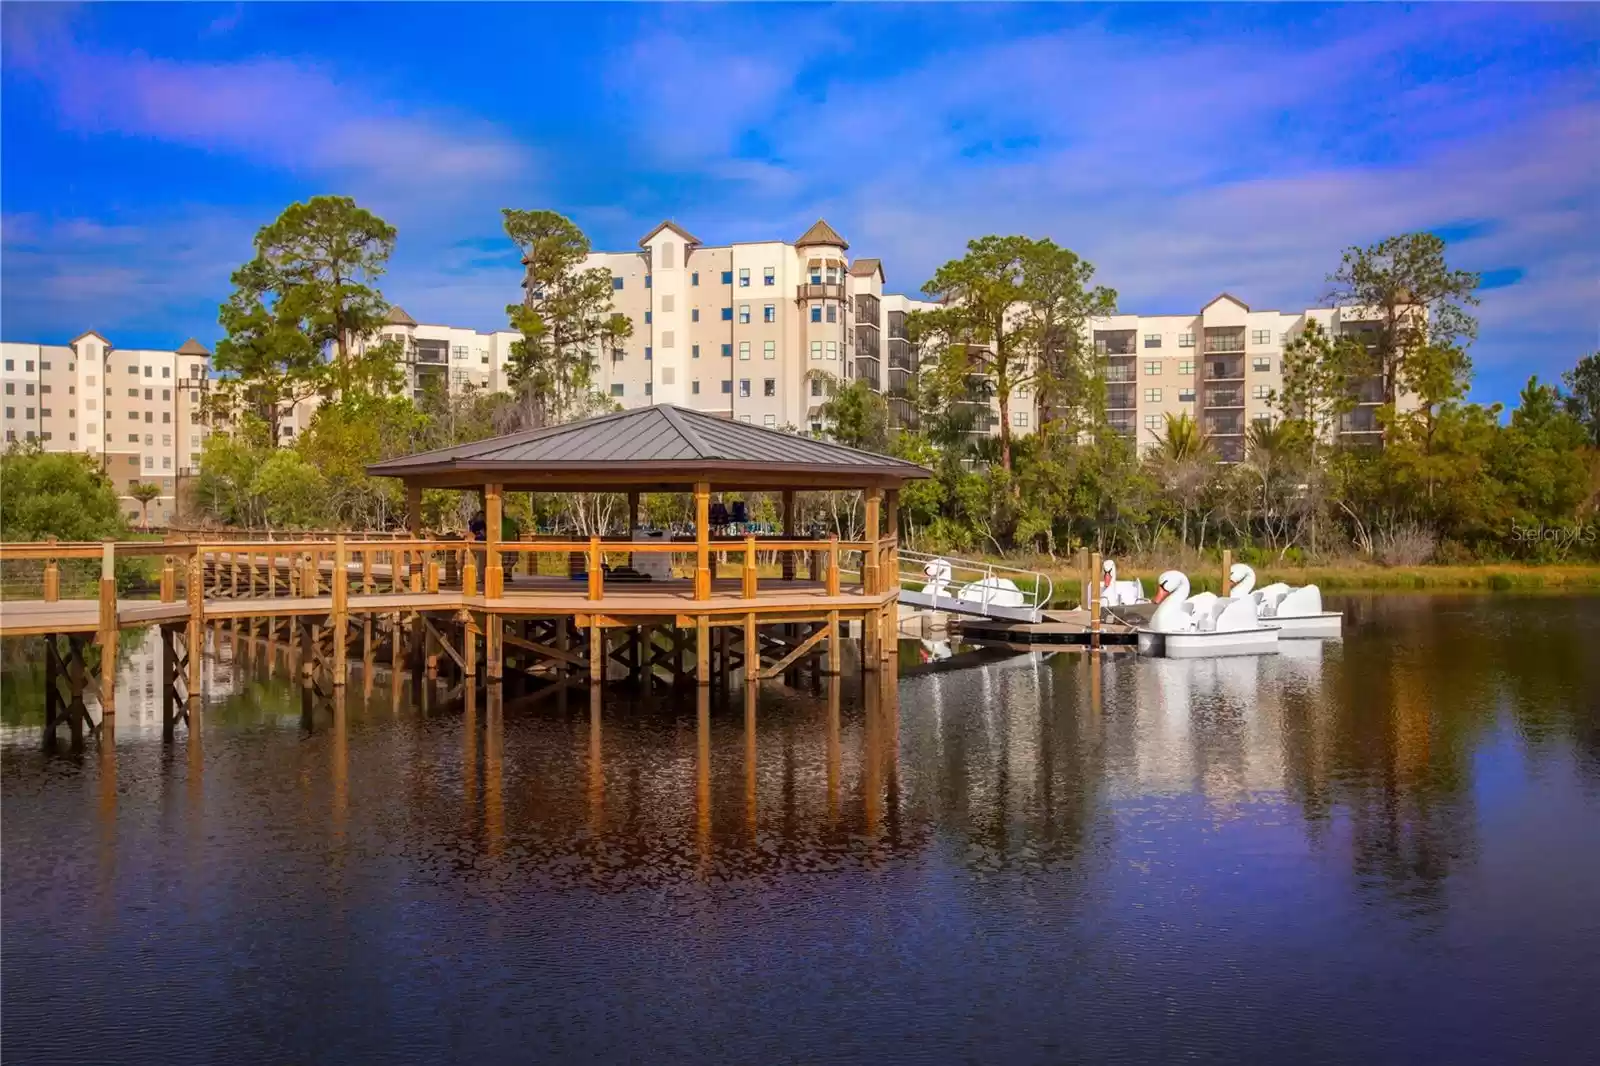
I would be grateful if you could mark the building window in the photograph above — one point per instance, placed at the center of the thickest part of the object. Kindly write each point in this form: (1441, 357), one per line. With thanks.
(1152, 370)
(668, 375)
(833, 349)
(648, 317)
(11, 412)
(1152, 340)
(1261, 363)
(1186, 340)
(666, 339)
(668, 302)
(149, 462)
(769, 313)
(44, 412)
(166, 462)
(744, 277)
(1152, 395)
(1186, 396)
(769, 276)
(1261, 392)
(833, 313)
(28, 366)
(816, 276)
(1019, 418)
(727, 351)
(616, 388)
(727, 314)
(648, 354)
(166, 394)
(769, 387)
(727, 277)
(166, 371)
(744, 314)
(616, 283)
(816, 349)
(44, 364)
(727, 387)
(770, 421)
(1186, 366)
(816, 386)
(1261, 336)
(744, 387)
(11, 364)
(647, 280)
(694, 279)
(649, 388)
(816, 314)
(744, 349)
(30, 413)
(694, 314)
(696, 351)
(769, 350)
(1152, 422)
(1261, 419)
(28, 388)
(694, 387)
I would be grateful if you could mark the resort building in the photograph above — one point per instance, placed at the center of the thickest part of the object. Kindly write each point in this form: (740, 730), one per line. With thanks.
(754, 331)
(138, 411)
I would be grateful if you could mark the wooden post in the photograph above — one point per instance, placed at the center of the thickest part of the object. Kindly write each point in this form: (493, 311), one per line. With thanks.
(869, 558)
(597, 574)
(633, 513)
(1084, 578)
(433, 573)
(493, 575)
(469, 643)
(108, 628)
(196, 636)
(1094, 604)
(833, 643)
(702, 650)
(469, 573)
(414, 510)
(788, 533)
(52, 578)
(366, 571)
(169, 581)
(752, 650)
(702, 539)
(833, 565)
(341, 608)
(750, 575)
(890, 572)
(597, 650)
(1227, 572)
(493, 646)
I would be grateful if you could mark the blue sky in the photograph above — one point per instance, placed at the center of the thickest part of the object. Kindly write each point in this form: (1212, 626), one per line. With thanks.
(1185, 150)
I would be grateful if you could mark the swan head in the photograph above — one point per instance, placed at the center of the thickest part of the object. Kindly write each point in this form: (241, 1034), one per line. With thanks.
(1108, 573)
(1171, 583)
(934, 569)
(1240, 574)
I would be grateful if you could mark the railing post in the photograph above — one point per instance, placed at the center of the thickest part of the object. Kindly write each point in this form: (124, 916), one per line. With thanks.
(869, 557)
(196, 638)
(833, 565)
(788, 533)
(597, 574)
(52, 578)
(750, 574)
(169, 581)
(493, 574)
(1094, 605)
(341, 603)
(469, 571)
(108, 628)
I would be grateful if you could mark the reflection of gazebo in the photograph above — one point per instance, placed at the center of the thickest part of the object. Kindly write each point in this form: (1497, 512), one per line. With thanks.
(666, 449)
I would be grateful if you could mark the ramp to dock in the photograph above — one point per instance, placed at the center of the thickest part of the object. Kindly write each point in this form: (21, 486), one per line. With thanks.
(974, 588)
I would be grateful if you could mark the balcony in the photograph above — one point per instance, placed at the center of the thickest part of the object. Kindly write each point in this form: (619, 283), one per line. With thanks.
(1121, 398)
(902, 356)
(1118, 374)
(820, 291)
(1116, 342)
(1224, 398)
(1224, 369)
(432, 356)
(1229, 449)
(867, 370)
(1224, 425)
(1361, 420)
(1370, 391)
(1224, 340)
(1121, 423)
(867, 310)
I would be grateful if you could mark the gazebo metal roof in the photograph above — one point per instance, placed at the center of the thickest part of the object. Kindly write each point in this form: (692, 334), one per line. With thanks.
(659, 447)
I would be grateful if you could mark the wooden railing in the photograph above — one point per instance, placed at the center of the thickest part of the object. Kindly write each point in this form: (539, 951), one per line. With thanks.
(231, 569)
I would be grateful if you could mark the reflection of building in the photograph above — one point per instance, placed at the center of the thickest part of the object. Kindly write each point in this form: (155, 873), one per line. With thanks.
(137, 411)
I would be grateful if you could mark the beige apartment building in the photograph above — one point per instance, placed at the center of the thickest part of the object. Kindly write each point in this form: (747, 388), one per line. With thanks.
(1221, 366)
(136, 410)
(754, 331)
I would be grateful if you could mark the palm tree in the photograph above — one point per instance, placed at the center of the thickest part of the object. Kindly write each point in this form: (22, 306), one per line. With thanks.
(1185, 463)
(1182, 439)
(144, 492)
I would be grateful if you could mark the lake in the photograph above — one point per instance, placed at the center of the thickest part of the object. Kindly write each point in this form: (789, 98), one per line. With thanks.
(1385, 849)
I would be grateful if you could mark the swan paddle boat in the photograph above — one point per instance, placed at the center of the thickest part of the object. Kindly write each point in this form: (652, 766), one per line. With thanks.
(1297, 612)
(1207, 624)
(1116, 593)
(985, 592)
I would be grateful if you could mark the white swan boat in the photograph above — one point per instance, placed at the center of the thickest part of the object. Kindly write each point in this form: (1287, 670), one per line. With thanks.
(1206, 625)
(987, 591)
(1116, 593)
(1297, 612)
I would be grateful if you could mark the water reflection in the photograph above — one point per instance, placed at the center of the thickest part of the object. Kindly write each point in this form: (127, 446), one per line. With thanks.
(1344, 826)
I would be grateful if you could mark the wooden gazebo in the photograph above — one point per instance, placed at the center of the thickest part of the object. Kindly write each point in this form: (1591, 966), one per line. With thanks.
(667, 449)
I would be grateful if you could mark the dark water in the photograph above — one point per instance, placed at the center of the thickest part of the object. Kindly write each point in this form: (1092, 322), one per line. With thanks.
(1381, 850)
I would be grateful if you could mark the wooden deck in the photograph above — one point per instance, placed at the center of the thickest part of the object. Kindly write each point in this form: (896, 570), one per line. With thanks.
(792, 600)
